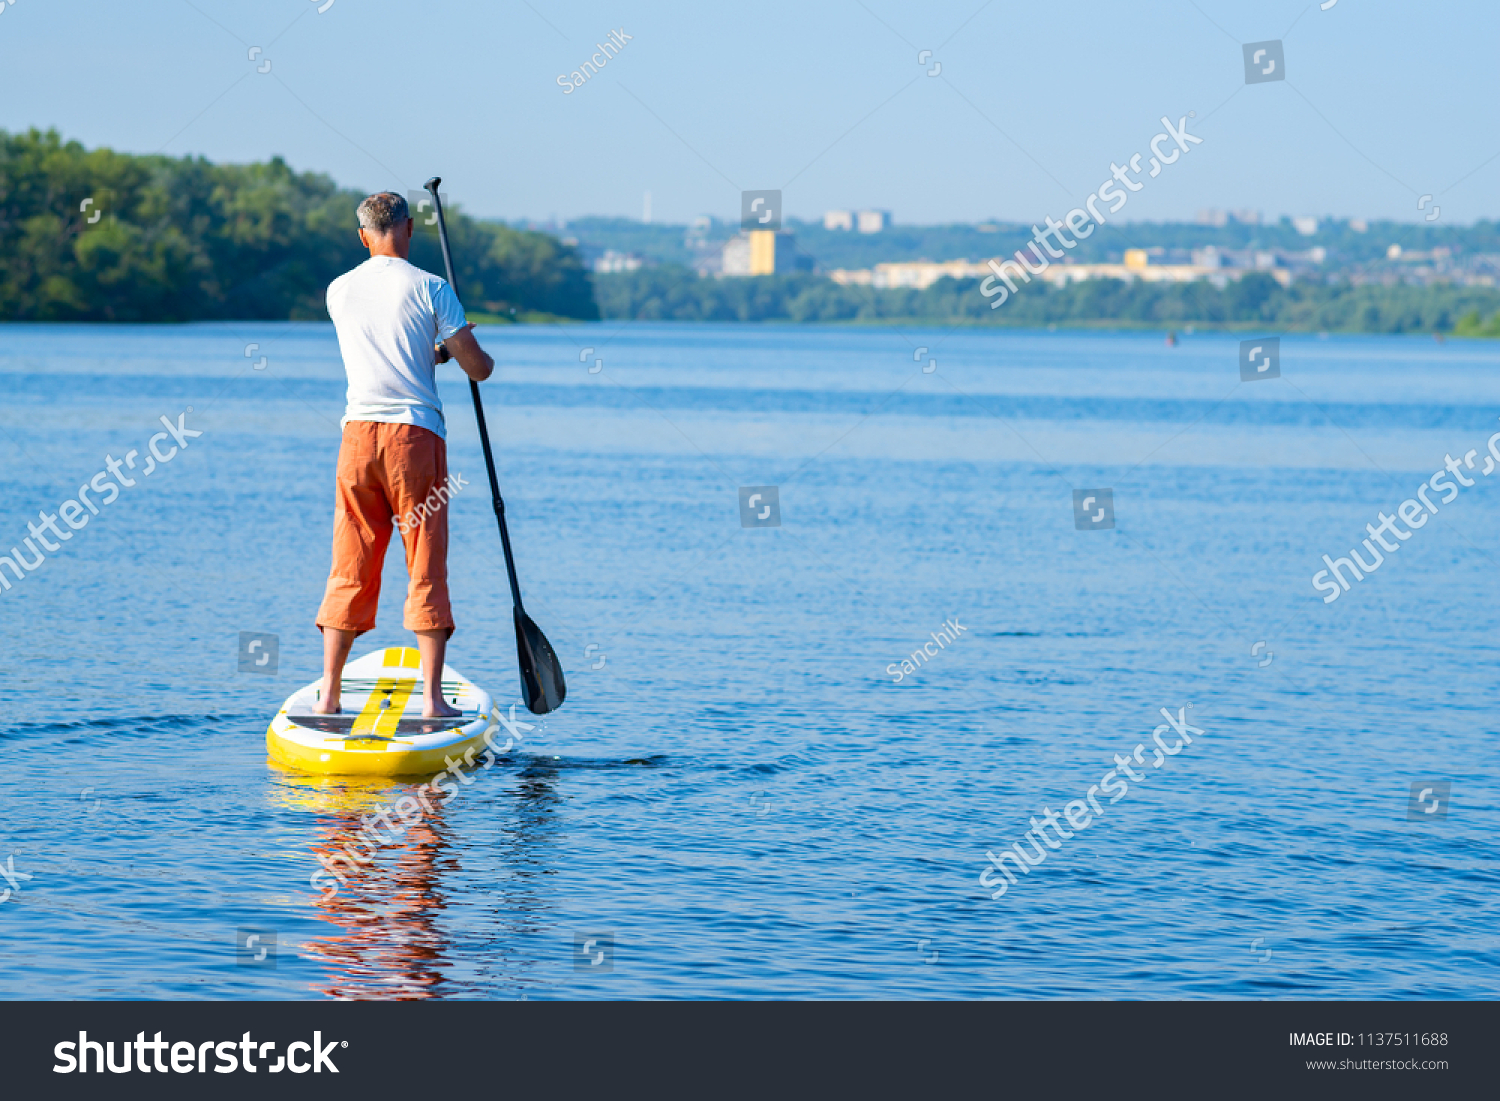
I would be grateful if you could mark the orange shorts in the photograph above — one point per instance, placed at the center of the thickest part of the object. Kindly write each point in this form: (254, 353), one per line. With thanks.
(388, 473)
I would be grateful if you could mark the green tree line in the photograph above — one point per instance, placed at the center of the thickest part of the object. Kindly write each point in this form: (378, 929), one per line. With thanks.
(678, 294)
(95, 235)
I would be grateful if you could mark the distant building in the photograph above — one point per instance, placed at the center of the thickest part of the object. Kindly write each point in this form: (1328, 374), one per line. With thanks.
(735, 257)
(866, 221)
(919, 274)
(1305, 224)
(766, 247)
(612, 261)
(1138, 265)
(763, 252)
(1271, 260)
(1224, 217)
(1217, 266)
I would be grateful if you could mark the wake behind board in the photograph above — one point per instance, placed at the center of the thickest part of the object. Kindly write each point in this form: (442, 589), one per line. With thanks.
(381, 731)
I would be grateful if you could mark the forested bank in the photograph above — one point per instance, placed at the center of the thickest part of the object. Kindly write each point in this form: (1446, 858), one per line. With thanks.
(95, 235)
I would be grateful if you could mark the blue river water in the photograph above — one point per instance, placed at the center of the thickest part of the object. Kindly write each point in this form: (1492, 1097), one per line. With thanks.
(739, 799)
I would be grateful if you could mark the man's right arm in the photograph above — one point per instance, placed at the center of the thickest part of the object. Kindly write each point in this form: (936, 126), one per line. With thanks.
(475, 361)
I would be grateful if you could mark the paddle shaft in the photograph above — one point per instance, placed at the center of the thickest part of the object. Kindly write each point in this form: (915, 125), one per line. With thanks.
(484, 431)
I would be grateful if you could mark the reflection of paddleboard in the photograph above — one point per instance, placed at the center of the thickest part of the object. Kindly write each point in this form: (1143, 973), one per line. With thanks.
(381, 731)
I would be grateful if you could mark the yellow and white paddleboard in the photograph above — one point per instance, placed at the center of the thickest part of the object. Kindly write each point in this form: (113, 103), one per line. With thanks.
(381, 731)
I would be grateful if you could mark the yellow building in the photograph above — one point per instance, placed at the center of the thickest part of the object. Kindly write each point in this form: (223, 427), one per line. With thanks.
(761, 252)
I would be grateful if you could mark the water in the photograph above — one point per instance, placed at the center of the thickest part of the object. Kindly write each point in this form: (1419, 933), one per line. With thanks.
(736, 791)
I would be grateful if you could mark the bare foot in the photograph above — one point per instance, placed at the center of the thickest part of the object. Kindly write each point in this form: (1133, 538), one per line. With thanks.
(439, 710)
(319, 709)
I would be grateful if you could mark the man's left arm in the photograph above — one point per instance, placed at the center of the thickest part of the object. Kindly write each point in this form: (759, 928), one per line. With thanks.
(460, 342)
(462, 346)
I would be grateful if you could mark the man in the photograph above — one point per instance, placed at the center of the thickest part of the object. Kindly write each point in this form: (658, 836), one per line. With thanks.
(393, 319)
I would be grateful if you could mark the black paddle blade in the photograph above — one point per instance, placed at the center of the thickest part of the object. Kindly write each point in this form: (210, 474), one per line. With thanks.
(541, 674)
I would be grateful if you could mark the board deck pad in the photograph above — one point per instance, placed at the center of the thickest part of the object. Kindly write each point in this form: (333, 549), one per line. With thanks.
(380, 729)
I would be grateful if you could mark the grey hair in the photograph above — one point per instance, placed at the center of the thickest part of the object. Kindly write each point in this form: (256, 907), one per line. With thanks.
(382, 212)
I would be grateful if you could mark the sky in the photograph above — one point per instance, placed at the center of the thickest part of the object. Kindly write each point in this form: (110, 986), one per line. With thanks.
(1017, 113)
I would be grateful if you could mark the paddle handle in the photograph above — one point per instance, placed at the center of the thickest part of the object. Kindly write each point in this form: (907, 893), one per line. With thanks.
(484, 431)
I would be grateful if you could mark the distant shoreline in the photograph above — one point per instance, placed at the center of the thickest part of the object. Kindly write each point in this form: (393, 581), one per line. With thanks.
(1185, 331)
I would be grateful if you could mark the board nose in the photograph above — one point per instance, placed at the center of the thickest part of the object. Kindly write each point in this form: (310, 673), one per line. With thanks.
(402, 657)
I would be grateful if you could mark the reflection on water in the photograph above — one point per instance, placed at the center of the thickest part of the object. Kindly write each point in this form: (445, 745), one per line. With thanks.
(524, 908)
(387, 900)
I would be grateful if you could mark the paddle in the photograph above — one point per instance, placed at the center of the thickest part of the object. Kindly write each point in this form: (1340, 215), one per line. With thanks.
(541, 675)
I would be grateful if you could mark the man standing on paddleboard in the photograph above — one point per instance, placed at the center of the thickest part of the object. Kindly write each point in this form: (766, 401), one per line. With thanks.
(390, 318)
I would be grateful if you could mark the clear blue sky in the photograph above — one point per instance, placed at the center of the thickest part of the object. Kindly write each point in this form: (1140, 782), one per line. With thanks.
(824, 99)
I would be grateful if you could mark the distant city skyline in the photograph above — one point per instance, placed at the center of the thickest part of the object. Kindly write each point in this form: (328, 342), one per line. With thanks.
(955, 111)
(1306, 224)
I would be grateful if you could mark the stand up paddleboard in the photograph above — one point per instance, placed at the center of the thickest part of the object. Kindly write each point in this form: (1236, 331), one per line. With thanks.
(381, 731)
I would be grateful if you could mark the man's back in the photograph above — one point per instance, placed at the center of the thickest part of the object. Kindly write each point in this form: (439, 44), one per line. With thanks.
(388, 315)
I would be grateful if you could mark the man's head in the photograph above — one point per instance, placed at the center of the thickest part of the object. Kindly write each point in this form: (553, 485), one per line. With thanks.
(385, 225)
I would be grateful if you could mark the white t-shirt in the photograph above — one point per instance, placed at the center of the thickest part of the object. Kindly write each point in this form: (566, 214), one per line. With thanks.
(388, 315)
